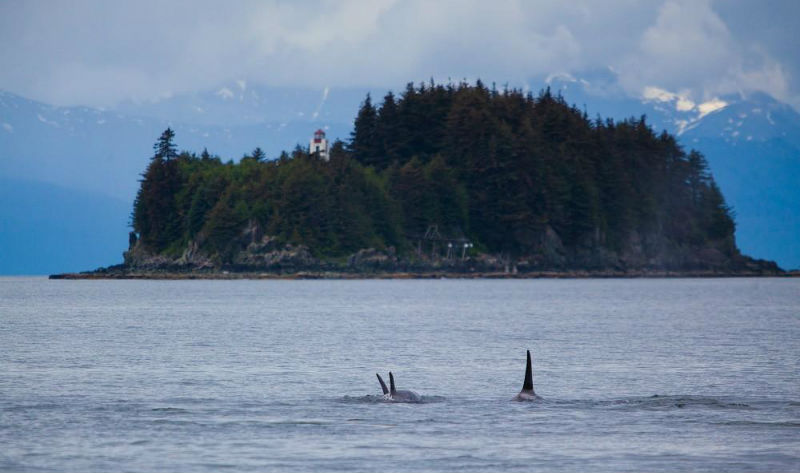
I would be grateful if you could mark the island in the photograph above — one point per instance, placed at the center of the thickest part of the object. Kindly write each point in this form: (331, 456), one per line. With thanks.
(455, 180)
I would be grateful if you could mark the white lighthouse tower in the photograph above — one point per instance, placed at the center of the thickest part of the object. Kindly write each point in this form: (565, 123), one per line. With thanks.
(319, 144)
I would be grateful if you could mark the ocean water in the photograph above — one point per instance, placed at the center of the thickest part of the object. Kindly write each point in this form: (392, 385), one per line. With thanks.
(642, 374)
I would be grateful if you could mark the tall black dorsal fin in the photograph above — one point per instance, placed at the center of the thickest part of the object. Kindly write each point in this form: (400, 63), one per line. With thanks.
(528, 384)
(391, 383)
(383, 385)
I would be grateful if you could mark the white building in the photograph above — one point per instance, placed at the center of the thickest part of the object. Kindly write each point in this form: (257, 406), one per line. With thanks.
(319, 144)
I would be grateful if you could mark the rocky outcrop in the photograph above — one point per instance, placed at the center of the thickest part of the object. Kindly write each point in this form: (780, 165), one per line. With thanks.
(195, 258)
(268, 254)
(140, 258)
(264, 255)
(370, 259)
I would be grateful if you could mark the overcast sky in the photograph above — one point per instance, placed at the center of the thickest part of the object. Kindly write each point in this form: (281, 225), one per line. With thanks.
(100, 52)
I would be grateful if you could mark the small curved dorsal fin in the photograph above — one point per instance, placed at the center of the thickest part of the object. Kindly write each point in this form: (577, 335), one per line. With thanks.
(528, 384)
(391, 383)
(383, 385)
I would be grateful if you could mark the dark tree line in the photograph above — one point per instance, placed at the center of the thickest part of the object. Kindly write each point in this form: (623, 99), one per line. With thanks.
(508, 170)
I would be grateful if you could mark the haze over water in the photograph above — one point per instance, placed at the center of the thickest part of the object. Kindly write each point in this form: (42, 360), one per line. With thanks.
(642, 374)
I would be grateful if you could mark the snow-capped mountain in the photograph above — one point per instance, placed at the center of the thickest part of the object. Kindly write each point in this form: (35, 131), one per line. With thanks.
(241, 104)
(751, 142)
(105, 150)
(753, 149)
(755, 117)
(76, 147)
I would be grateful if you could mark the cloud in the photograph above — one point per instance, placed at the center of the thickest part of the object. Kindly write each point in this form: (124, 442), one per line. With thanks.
(98, 53)
(689, 47)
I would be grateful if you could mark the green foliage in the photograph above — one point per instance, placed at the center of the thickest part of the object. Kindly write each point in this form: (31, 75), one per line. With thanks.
(364, 142)
(504, 169)
(164, 147)
(258, 154)
(155, 212)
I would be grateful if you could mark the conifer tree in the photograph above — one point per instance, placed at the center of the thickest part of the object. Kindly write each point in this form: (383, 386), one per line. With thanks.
(363, 143)
(155, 215)
(164, 148)
(258, 154)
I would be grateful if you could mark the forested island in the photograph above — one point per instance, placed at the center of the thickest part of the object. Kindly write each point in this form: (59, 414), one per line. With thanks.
(442, 180)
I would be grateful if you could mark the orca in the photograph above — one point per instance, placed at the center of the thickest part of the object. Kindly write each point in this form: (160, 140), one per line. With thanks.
(527, 393)
(395, 395)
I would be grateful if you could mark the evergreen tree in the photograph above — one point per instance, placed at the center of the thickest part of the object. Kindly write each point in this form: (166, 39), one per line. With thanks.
(388, 133)
(363, 142)
(155, 214)
(164, 147)
(258, 154)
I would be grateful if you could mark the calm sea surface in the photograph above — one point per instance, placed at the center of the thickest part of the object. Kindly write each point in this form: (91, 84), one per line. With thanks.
(660, 375)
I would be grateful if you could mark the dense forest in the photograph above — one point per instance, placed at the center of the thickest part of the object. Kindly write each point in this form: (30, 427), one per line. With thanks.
(519, 176)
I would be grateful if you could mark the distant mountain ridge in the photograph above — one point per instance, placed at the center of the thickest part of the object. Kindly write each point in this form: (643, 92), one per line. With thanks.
(753, 148)
(105, 151)
(752, 144)
(37, 140)
(241, 104)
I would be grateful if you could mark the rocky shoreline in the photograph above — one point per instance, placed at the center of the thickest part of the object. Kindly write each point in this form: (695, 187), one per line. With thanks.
(265, 257)
(307, 275)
